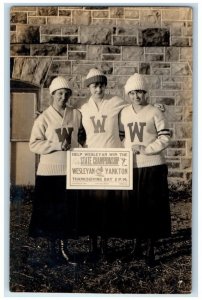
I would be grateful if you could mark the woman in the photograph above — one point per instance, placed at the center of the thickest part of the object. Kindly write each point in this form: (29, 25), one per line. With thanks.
(104, 208)
(147, 133)
(54, 132)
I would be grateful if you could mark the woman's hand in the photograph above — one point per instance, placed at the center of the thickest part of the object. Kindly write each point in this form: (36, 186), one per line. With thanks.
(138, 149)
(65, 145)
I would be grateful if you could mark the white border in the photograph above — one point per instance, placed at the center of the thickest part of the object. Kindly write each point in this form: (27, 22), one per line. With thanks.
(4, 157)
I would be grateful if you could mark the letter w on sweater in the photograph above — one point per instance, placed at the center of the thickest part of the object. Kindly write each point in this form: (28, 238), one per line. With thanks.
(136, 130)
(98, 127)
(63, 134)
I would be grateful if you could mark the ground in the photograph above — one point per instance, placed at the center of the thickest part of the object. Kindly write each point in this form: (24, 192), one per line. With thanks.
(118, 272)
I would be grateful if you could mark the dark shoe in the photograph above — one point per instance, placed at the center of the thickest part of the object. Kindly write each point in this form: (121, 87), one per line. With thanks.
(150, 255)
(137, 251)
(103, 246)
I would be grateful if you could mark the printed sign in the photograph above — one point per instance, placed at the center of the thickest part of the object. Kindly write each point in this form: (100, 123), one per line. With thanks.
(100, 169)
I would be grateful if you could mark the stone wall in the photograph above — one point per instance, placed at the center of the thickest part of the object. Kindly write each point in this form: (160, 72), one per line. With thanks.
(155, 41)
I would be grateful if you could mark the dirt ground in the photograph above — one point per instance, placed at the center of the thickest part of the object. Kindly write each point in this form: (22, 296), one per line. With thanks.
(118, 272)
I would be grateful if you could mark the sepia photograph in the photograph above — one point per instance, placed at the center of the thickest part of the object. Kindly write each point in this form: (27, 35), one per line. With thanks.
(101, 102)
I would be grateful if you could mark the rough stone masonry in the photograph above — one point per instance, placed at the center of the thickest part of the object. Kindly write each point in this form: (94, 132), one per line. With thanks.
(47, 41)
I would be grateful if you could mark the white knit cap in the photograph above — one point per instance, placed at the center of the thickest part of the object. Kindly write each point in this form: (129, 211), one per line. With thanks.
(95, 76)
(59, 83)
(135, 82)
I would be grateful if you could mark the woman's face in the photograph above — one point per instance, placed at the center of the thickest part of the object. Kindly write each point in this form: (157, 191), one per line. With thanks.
(137, 97)
(97, 90)
(60, 98)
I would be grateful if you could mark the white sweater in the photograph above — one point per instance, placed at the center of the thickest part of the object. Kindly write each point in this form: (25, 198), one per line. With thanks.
(48, 133)
(147, 127)
(101, 125)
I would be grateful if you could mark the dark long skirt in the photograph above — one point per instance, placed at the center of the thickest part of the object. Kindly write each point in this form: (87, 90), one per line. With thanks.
(104, 213)
(55, 209)
(150, 210)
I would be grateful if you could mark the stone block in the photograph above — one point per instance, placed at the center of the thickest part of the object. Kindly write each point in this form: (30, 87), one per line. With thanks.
(187, 83)
(58, 20)
(81, 17)
(60, 67)
(172, 54)
(47, 11)
(65, 12)
(104, 22)
(49, 50)
(144, 68)
(41, 71)
(177, 144)
(180, 13)
(28, 34)
(184, 98)
(20, 50)
(180, 69)
(176, 152)
(18, 18)
(127, 22)
(150, 18)
(154, 50)
(29, 68)
(95, 35)
(94, 52)
(131, 13)
(100, 14)
(23, 8)
(175, 174)
(160, 71)
(111, 49)
(125, 40)
(165, 100)
(126, 30)
(77, 47)
(111, 57)
(179, 41)
(186, 163)
(173, 165)
(128, 71)
(154, 57)
(154, 82)
(187, 31)
(51, 29)
(36, 20)
(133, 53)
(76, 55)
(154, 37)
(13, 38)
(59, 39)
(174, 26)
(183, 130)
(69, 30)
(171, 86)
(107, 67)
(185, 53)
(79, 69)
(174, 114)
(116, 12)
(17, 67)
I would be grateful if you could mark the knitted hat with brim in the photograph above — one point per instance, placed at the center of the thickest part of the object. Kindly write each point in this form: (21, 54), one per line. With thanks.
(59, 83)
(95, 76)
(135, 82)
